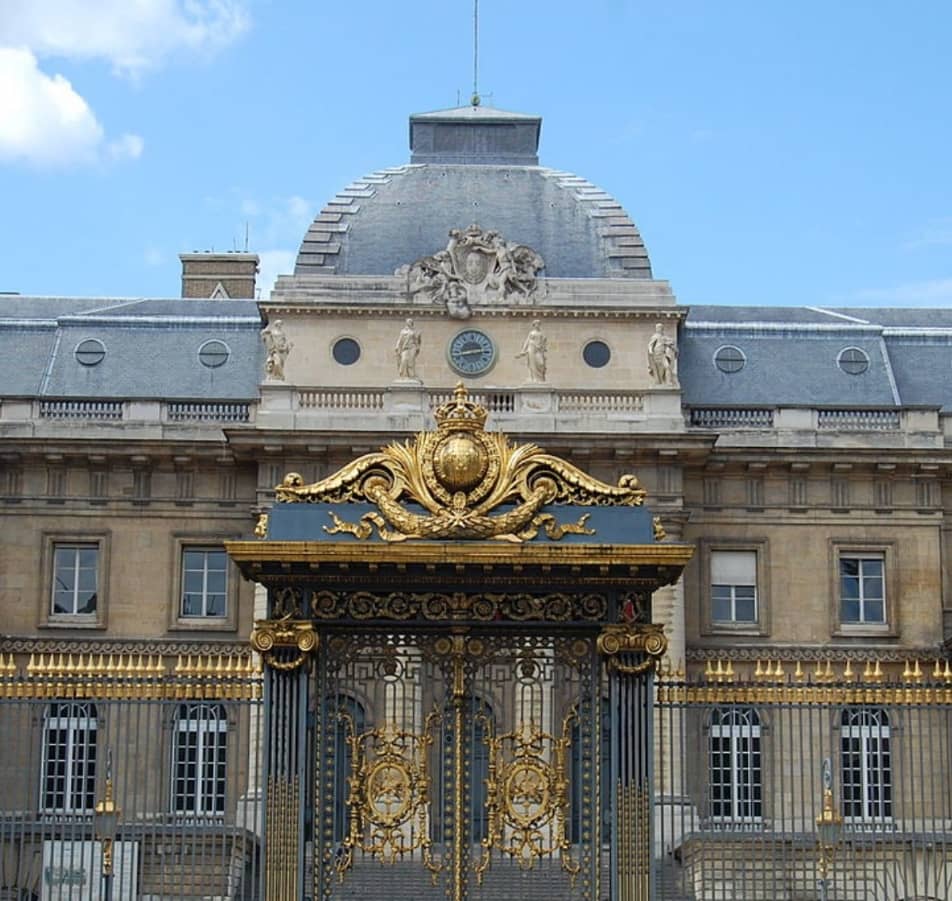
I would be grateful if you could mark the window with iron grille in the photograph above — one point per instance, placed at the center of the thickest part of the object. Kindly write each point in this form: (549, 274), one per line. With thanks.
(862, 588)
(204, 582)
(75, 580)
(199, 759)
(866, 764)
(68, 783)
(736, 765)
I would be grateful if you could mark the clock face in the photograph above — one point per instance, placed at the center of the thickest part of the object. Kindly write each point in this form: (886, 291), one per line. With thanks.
(472, 352)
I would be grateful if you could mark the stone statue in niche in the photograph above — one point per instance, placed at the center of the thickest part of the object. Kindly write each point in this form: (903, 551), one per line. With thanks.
(277, 346)
(476, 267)
(406, 350)
(663, 358)
(534, 350)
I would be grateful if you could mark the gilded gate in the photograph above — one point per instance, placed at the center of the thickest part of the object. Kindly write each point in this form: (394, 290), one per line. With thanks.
(458, 662)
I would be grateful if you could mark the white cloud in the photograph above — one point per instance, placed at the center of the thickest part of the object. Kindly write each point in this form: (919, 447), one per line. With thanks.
(935, 292)
(272, 264)
(46, 123)
(133, 35)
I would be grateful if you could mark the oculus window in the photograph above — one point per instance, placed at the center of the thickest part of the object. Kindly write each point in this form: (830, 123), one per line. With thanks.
(213, 354)
(853, 361)
(729, 359)
(346, 351)
(596, 354)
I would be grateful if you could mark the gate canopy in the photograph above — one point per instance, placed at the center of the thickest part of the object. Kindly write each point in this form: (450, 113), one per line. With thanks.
(460, 507)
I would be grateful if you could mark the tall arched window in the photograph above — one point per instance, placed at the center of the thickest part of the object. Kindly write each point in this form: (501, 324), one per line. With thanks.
(346, 717)
(199, 760)
(735, 760)
(866, 764)
(69, 758)
(481, 723)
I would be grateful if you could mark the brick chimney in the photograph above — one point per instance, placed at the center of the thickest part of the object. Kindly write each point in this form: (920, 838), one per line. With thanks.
(219, 275)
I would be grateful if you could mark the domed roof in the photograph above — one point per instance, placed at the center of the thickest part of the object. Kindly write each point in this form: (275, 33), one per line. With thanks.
(473, 165)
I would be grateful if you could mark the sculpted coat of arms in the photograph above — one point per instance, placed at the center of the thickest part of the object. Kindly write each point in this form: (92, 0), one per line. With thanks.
(476, 267)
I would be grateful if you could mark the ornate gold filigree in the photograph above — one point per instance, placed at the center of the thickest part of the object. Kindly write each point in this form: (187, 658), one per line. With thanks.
(658, 526)
(389, 794)
(528, 800)
(447, 484)
(285, 633)
(645, 639)
(261, 527)
(459, 606)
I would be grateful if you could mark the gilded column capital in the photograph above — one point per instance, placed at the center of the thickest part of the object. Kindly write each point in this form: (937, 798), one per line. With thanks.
(270, 635)
(628, 638)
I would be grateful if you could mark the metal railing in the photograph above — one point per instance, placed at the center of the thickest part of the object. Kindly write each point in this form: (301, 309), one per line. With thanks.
(176, 739)
(739, 757)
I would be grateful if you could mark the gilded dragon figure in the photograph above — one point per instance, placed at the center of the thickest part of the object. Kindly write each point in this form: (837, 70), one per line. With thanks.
(460, 481)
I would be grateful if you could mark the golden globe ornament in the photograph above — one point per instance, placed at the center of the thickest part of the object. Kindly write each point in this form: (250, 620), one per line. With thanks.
(460, 462)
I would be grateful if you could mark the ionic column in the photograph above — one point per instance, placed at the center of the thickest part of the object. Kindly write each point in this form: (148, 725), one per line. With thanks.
(285, 647)
(632, 653)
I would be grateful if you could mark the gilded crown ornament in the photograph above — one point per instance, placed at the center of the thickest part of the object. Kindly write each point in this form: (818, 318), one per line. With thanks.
(451, 482)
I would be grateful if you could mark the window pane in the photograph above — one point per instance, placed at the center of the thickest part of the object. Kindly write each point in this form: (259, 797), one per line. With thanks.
(850, 611)
(721, 603)
(215, 605)
(746, 610)
(873, 612)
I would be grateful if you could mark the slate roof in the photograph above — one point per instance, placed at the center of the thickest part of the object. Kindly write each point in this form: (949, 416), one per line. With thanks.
(792, 352)
(151, 348)
(396, 216)
(473, 165)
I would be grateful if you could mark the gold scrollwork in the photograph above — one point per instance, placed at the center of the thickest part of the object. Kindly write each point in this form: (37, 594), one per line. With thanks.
(261, 526)
(627, 638)
(270, 635)
(488, 607)
(527, 797)
(389, 794)
(458, 476)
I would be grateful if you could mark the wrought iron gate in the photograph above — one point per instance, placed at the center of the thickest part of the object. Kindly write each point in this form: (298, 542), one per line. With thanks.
(467, 758)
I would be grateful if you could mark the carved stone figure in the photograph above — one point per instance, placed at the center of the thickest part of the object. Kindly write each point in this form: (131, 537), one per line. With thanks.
(534, 350)
(475, 267)
(278, 346)
(663, 357)
(406, 350)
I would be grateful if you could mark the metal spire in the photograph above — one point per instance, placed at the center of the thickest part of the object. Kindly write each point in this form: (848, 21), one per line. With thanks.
(475, 98)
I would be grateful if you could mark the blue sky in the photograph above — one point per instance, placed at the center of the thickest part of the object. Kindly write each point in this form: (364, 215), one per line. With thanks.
(771, 153)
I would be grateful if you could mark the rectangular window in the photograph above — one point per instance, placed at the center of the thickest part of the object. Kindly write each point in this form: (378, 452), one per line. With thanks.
(862, 588)
(733, 587)
(204, 582)
(75, 580)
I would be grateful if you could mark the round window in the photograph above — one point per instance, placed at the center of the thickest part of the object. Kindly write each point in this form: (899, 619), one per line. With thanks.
(853, 361)
(213, 354)
(346, 351)
(596, 354)
(90, 352)
(729, 358)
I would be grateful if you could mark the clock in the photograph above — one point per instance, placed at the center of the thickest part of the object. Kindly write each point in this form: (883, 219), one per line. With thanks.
(471, 352)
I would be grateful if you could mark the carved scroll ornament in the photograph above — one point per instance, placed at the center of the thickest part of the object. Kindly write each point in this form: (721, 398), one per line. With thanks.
(476, 266)
(627, 638)
(455, 478)
(271, 635)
